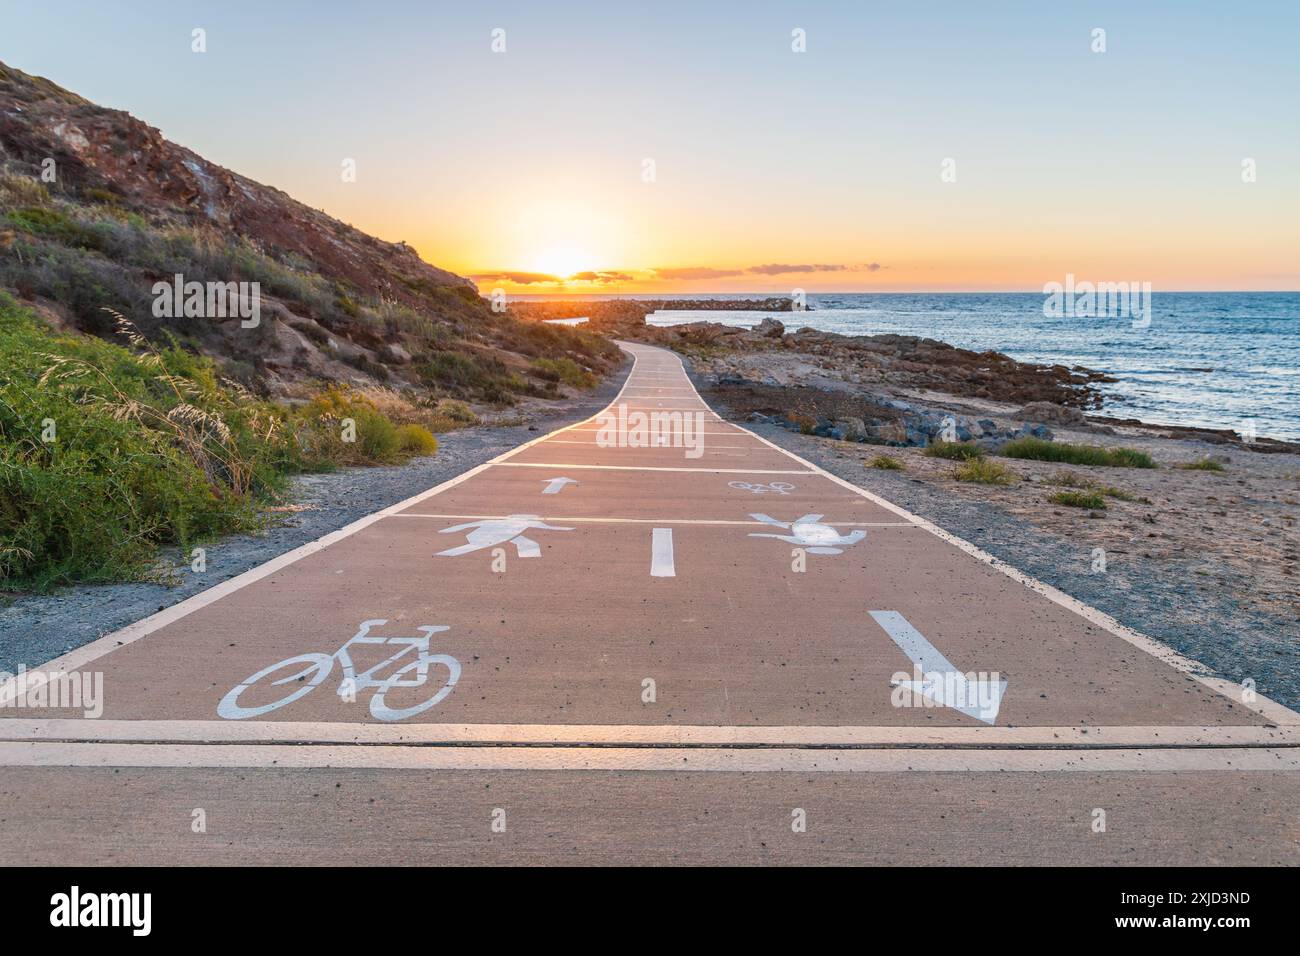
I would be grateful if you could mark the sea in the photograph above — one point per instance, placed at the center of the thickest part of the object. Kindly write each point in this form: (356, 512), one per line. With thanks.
(1209, 359)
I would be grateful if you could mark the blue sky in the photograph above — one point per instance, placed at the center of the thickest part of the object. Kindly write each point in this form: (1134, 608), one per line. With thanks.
(1122, 165)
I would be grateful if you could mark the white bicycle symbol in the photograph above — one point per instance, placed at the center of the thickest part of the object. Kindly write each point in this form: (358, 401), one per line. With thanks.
(779, 487)
(414, 673)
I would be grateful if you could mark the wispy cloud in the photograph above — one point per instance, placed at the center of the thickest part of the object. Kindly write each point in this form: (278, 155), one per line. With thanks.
(601, 276)
(598, 277)
(768, 269)
(518, 278)
(669, 274)
(697, 272)
(777, 269)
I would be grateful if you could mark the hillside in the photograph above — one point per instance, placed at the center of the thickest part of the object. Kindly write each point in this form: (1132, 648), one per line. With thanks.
(123, 432)
(127, 208)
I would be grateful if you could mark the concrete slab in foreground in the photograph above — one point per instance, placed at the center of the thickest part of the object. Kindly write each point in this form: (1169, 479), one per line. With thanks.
(332, 817)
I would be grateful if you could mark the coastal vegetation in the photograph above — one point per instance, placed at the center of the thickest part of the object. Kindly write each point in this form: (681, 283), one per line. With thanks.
(982, 471)
(1038, 449)
(1202, 464)
(954, 450)
(109, 451)
(1079, 499)
(1069, 479)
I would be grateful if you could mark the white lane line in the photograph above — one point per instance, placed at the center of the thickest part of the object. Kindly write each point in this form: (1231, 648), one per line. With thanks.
(670, 759)
(661, 553)
(720, 471)
(1269, 709)
(666, 521)
(630, 735)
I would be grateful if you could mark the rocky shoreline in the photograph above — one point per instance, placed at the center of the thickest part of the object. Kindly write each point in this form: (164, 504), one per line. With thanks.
(893, 390)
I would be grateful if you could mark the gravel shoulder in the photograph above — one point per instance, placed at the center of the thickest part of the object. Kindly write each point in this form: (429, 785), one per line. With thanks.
(38, 628)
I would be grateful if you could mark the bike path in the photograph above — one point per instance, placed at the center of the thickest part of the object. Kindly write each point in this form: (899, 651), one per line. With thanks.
(577, 580)
(718, 608)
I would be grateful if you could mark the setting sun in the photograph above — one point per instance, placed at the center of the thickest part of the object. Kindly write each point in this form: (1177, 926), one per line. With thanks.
(563, 262)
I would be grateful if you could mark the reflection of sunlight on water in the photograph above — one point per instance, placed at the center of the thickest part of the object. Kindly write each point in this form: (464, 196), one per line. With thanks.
(1161, 367)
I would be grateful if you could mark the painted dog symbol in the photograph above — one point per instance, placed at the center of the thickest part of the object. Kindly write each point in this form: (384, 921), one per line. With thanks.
(490, 532)
(808, 532)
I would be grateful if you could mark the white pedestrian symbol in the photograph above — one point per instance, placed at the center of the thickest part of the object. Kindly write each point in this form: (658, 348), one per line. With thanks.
(776, 487)
(490, 532)
(808, 532)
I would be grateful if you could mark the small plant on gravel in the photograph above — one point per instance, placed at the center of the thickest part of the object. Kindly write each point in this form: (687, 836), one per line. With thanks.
(955, 450)
(1039, 449)
(805, 423)
(416, 440)
(447, 415)
(1071, 480)
(886, 463)
(457, 411)
(1079, 499)
(981, 471)
(1119, 494)
(1204, 464)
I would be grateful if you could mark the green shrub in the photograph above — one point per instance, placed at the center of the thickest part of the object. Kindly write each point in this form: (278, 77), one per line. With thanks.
(103, 196)
(1131, 458)
(1038, 449)
(1079, 499)
(22, 190)
(457, 411)
(452, 368)
(1119, 494)
(805, 423)
(886, 463)
(108, 452)
(984, 472)
(954, 450)
(1205, 464)
(105, 454)
(566, 370)
(53, 224)
(1071, 480)
(416, 440)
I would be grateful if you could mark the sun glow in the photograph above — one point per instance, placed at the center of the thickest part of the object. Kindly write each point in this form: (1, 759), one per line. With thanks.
(563, 262)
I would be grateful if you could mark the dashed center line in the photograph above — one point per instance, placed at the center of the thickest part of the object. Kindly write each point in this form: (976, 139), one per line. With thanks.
(661, 554)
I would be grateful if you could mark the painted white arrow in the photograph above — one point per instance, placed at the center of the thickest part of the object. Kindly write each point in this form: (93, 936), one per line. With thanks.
(943, 683)
(554, 485)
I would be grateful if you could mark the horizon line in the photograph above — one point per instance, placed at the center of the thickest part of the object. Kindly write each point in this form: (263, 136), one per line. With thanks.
(786, 294)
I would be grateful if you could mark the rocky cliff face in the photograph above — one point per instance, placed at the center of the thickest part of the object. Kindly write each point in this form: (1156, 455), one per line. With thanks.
(98, 150)
(119, 208)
